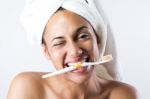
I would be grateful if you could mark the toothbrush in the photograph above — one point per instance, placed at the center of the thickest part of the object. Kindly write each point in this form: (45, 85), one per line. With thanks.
(104, 59)
(74, 66)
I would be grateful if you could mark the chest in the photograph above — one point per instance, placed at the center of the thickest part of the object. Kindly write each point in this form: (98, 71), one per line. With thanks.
(63, 96)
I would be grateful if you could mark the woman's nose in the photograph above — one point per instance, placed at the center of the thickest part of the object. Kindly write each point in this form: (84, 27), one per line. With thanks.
(74, 50)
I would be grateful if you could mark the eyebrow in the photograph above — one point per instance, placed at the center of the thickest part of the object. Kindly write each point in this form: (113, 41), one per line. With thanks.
(59, 37)
(80, 28)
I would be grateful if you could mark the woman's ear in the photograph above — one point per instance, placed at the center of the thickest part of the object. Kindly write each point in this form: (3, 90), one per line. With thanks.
(46, 52)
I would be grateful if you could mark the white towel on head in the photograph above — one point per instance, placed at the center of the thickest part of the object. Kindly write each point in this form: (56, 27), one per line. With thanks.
(37, 13)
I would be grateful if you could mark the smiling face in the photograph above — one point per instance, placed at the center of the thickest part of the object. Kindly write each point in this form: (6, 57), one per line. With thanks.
(68, 39)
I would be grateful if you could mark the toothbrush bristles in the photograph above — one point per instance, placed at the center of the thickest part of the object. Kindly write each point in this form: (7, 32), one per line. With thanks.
(107, 57)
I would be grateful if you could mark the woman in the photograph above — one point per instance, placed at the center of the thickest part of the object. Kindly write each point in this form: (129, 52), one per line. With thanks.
(70, 31)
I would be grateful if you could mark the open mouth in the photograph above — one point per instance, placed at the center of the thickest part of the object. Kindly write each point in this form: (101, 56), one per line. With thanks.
(81, 69)
(81, 61)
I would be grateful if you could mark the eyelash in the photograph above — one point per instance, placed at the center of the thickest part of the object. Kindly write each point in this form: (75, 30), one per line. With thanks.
(84, 36)
(57, 44)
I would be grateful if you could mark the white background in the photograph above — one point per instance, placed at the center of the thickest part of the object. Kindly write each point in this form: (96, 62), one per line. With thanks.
(130, 22)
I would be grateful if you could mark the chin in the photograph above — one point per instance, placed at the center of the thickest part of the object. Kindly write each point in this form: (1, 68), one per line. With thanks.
(80, 75)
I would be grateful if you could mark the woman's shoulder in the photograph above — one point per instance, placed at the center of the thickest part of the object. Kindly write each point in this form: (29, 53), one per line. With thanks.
(25, 85)
(120, 90)
(28, 77)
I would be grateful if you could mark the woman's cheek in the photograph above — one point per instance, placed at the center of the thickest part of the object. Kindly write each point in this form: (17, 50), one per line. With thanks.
(55, 55)
(96, 51)
(56, 58)
(93, 50)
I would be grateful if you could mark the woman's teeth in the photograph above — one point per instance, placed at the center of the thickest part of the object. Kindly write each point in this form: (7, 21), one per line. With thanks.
(84, 60)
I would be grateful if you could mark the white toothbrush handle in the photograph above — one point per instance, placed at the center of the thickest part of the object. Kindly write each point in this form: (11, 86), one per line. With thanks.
(94, 63)
(73, 66)
(68, 69)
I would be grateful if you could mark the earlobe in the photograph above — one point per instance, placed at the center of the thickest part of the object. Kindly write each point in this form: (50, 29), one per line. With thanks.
(45, 52)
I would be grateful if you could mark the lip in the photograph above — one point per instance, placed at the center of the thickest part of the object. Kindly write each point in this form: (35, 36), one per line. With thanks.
(76, 60)
(80, 70)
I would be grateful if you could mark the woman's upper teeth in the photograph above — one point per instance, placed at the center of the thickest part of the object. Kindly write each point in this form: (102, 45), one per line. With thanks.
(84, 60)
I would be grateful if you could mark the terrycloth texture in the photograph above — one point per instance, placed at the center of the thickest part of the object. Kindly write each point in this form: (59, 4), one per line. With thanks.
(37, 13)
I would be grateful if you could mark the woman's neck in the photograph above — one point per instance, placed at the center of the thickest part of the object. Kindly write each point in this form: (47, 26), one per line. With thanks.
(91, 87)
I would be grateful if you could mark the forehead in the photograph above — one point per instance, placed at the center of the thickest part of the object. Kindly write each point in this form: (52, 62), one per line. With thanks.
(64, 18)
(66, 13)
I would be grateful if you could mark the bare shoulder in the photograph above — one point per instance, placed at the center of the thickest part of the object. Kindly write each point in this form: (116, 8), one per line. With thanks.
(123, 91)
(27, 85)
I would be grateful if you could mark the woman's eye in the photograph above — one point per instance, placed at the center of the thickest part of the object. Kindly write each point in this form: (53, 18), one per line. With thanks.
(58, 44)
(84, 36)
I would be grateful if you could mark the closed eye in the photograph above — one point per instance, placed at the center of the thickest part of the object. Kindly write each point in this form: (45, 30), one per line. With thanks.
(59, 43)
